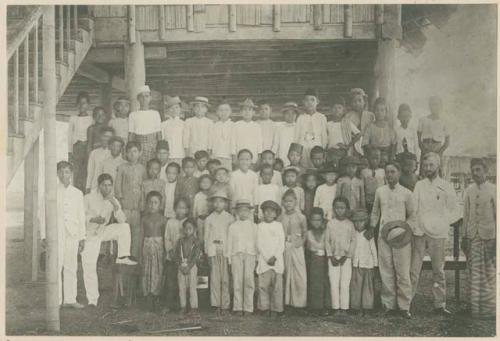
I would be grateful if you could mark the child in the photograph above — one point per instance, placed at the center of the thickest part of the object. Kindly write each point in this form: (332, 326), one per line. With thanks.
(162, 154)
(173, 232)
(153, 226)
(340, 246)
(326, 193)
(153, 183)
(266, 190)
(241, 252)
(115, 160)
(200, 205)
(408, 162)
(244, 181)
(342, 133)
(295, 227)
(201, 157)
(310, 130)
(212, 166)
(380, 134)
(216, 230)
(144, 125)
(198, 128)
(358, 115)
(247, 133)
(291, 176)
(350, 186)
(406, 135)
(221, 136)
(333, 156)
(187, 253)
(187, 185)
(94, 131)
(285, 132)
(120, 122)
(172, 174)
(221, 183)
(97, 157)
(278, 165)
(267, 125)
(295, 157)
(270, 263)
(77, 140)
(364, 260)
(128, 183)
(267, 158)
(317, 157)
(172, 130)
(373, 177)
(318, 285)
(310, 185)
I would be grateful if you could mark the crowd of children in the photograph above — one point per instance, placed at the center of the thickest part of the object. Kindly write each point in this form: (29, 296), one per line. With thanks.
(279, 211)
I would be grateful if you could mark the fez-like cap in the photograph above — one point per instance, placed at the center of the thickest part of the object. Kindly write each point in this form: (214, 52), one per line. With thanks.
(311, 92)
(295, 147)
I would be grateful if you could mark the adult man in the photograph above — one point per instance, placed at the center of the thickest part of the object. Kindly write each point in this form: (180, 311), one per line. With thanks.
(100, 205)
(479, 241)
(394, 203)
(437, 209)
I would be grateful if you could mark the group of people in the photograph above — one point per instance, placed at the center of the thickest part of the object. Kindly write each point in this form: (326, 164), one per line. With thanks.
(300, 213)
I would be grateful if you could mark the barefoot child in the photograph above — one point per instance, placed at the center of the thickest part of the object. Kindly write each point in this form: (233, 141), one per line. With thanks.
(153, 226)
(153, 183)
(120, 122)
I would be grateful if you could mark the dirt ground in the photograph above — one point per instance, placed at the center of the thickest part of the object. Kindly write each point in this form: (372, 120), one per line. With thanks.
(25, 315)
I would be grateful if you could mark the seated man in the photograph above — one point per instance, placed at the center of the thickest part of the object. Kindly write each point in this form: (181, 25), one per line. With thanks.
(99, 206)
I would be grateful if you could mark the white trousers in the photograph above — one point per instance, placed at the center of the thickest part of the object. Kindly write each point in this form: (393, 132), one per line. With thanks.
(118, 232)
(68, 265)
(340, 280)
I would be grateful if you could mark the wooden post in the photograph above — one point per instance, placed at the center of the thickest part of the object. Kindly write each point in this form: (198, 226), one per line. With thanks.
(61, 33)
(16, 91)
(68, 29)
(276, 18)
(379, 19)
(131, 24)
(347, 21)
(35, 255)
(50, 148)
(135, 69)
(29, 235)
(199, 18)
(35, 64)
(190, 17)
(317, 19)
(232, 18)
(75, 21)
(161, 22)
(26, 80)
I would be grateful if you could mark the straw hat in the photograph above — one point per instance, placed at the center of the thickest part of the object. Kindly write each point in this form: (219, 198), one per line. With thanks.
(396, 233)
(201, 100)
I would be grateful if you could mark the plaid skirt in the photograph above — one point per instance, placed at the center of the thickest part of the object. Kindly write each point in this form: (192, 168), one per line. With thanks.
(148, 145)
(152, 261)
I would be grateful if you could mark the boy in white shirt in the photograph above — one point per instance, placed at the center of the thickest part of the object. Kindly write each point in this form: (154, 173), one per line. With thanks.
(342, 133)
(197, 129)
(285, 132)
(97, 158)
(267, 158)
(325, 194)
(221, 135)
(406, 134)
(267, 125)
(173, 128)
(120, 122)
(266, 190)
(244, 181)
(247, 134)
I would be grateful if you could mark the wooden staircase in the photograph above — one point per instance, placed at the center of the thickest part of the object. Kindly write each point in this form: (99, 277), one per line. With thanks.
(74, 38)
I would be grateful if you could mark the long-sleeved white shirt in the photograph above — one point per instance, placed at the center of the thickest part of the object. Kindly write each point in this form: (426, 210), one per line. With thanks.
(310, 130)
(172, 131)
(70, 213)
(270, 242)
(268, 128)
(324, 197)
(170, 199)
(247, 135)
(77, 129)
(410, 136)
(94, 166)
(243, 185)
(340, 238)
(110, 166)
(144, 122)
(221, 138)
(365, 252)
(120, 125)
(241, 238)
(196, 134)
(96, 205)
(436, 207)
(216, 231)
(283, 138)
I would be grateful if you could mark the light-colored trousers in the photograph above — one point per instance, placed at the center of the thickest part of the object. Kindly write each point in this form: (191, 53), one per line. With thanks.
(435, 247)
(362, 295)
(68, 264)
(219, 281)
(394, 267)
(187, 283)
(118, 232)
(136, 236)
(271, 291)
(340, 280)
(242, 268)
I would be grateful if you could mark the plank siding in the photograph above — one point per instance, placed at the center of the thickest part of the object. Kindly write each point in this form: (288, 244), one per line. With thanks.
(217, 15)
(248, 15)
(363, 13)
(295, 13)
(175, 17)
(146, 17)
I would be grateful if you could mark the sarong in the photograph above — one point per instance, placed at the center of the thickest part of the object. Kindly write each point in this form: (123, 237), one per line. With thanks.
(152, 261)
(318, 285)
(80, 165)
(148, 144)
(295, 277)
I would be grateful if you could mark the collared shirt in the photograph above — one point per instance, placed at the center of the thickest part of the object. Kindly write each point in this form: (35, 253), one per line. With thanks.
(365, 253)
(128, 184)
(270, 242)
(120, 125)
(379, 136)
(406, 136)
(247, 135)
(284, 136)
(361, 121)
(216, 230)
(172, 235)
(70, 213)
(110, 165)
(267, 127)
(310, 130)
(77, 129)
(335, 133)
(243, 185)
(480, 211)
(393, 204)
(373, 179)
(277, 179)
(144, 122)
(437, 207)
(299, 192)
(432, 129)
(96, 205)
(221, 138)
(241, 238)
(340, 238)
(170, 199)
(172, 131)
(324, 198)
(318, 247)
(96, 160)
(197, 134)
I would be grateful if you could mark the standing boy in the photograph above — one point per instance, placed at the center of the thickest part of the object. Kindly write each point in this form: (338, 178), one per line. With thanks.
(172, 130)
(187, 185)
(285, 132)
(220, 137)
(120, 122)
(267, 125)
(247, 134)
(97, 157)
(406, 134)
(326, 193)
(115, 160)
(244, 181)
(342, 133)
(198, 128)
(267, 158)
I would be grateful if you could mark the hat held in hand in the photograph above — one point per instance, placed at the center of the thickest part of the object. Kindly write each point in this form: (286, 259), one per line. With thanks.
(396, 233)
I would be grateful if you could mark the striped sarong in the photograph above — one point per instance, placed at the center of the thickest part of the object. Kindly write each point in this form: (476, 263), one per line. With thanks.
(481, 270)
(295, 277)
(148, 144)
(152, 261)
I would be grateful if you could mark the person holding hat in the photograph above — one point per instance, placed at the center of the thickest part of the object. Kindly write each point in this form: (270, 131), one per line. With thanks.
(267, 125)
(270, 263)
(97, 157)
(359, 115)
(380, 134)
(216, 231)
(241, 253)
(114, 160)
(408, 162)
(295, 157)
(144, 125)
(310, 130)
(349, 185)
(120, 122)
(197, 129)
(285, 131)
(406, 133)
(291, 177)
(221, 136)
(394, 207)
(326, 192)
(479, 241)
(172, 129)
(342, 133)
(247, 134)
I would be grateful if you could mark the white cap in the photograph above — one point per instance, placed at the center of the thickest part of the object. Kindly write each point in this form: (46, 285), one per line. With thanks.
(144, 88)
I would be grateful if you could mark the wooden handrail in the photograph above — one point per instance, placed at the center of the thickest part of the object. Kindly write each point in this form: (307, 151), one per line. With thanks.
(13, 45)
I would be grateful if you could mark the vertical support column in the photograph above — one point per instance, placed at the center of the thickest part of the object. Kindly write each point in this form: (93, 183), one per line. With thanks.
(135, 69)
(131, 24)
(61, 33)
(50, 148)
(26, 80)
(161, 22)
(35, 65)
(16, 92)
(107, 95)
(29, 235)
(35, 255)
(232, 18)
(68, 28)
(317, 16)
(190, 17)
(276, 18)
(75, 21)
(347, 21)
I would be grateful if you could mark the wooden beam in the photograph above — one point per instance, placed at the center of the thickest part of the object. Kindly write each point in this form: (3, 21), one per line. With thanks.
(30, 22)
(276, 18)
(161, 22)
(347, 21)
(29, 235)
(379, 19)
(317, 16)
(115, 54)
(232, 18)
(35, 64)
(190, 18)
(135, 70)
(16, 92)
(26, 80)
(61, 33)
(131, 24)
(35, 260)
(94, 73)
